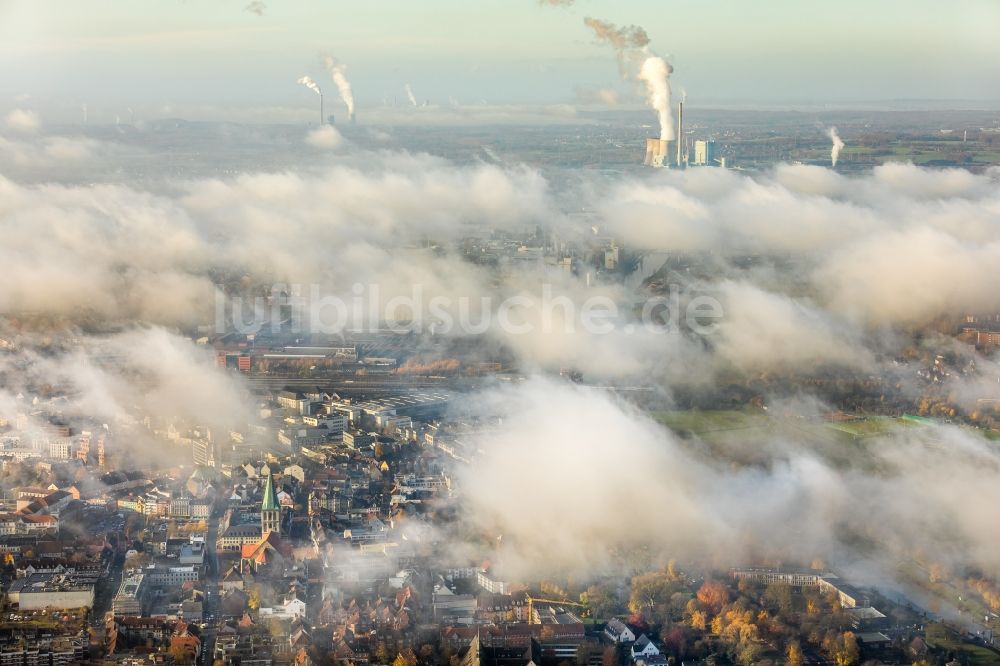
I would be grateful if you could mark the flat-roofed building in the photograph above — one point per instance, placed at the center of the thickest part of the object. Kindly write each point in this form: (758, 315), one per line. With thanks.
(60, 590)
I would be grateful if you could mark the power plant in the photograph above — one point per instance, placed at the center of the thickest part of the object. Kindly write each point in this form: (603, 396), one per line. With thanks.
(657, 154)
(658, 151)
(312, 85)
(680, 135)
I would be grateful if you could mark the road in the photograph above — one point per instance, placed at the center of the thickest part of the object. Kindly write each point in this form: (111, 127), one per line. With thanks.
(105, 593)
(349, 384)
(211, 605)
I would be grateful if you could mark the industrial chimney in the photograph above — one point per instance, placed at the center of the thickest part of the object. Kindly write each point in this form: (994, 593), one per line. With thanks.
(680, 133)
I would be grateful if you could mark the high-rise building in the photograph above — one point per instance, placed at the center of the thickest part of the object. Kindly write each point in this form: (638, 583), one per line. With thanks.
(704, 152)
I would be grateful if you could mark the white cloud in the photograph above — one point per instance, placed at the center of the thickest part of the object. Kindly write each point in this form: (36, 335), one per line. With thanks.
(22, 120)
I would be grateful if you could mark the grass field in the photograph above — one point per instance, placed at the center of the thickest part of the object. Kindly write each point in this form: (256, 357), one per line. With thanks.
(940, 636)
(709, 423)
(703, 422)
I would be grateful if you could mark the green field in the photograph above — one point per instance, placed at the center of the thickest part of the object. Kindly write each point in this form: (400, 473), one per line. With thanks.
(940, 636)
(704, 422)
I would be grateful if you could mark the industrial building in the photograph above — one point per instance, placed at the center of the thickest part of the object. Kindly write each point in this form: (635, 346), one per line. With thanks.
(704, 153)
(849, 596)
(658, 150)
(59, 590)
(657, 153)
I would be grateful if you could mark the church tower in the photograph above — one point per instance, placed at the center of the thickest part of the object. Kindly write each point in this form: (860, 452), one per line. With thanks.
(270, 512)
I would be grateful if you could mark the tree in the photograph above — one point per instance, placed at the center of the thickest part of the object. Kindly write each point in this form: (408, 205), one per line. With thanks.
(609, 657)
(748, 653)
(181, 654)
(600, 599)
(713, 595)
(675, 640)
(253, 596)
(672, 570)
(842, 648)
(778, 597)
(650, 595)
(405, 658)
(794, 654)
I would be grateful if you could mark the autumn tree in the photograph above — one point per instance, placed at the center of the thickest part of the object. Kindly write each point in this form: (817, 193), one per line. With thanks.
(778, 597)
(601, 600)
(713, 595)
(842, 648)
(675, 639)
(181, 654)
(651, 595)
(405, 658)
(427, 653)
(794, 655)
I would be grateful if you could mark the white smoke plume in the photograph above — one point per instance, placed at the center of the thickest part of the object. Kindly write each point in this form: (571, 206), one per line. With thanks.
(655, 73)
(309, 83)
(256, 7)
(410, 95)
(338, 71)
(838, 145)
(630, 44)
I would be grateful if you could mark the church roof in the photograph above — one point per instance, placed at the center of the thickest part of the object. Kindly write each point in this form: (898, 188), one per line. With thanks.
(270, 501)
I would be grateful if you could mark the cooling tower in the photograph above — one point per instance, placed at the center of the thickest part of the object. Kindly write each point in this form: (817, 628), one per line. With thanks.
(656, 152)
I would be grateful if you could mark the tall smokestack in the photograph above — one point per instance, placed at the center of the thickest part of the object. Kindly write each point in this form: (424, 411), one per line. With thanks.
(680, 131)
(312, 85)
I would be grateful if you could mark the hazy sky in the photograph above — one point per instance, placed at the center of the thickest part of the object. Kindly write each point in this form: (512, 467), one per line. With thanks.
(181, 54)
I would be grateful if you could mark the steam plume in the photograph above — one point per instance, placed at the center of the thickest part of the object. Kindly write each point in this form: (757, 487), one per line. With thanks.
(312, 85)
(256, 7)
(838, 144)
(557, 3)
(632, 41)
(409, 94)
(655, 73)
(338, 73)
